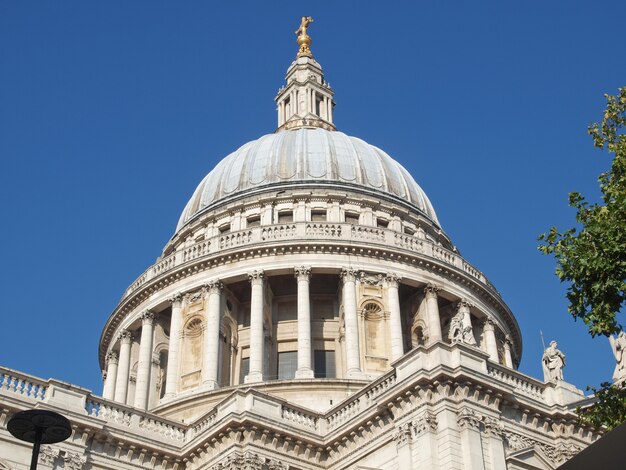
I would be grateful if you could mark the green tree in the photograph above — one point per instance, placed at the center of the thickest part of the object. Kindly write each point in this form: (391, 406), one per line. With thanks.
(591, 258)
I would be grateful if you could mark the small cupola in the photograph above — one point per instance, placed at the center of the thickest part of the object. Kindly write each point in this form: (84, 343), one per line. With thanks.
(306, 100)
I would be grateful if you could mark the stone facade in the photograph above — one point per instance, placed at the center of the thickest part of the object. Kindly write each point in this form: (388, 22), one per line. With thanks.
(302, 318)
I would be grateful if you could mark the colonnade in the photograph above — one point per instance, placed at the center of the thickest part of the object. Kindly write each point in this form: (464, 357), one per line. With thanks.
(119, 365)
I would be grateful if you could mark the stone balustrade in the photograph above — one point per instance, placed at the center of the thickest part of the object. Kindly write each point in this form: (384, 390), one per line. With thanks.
(21, 391)
(24, 385)
(307, 231)
(521, 383)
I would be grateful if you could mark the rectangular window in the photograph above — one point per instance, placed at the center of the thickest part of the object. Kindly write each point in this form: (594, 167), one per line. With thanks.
(318, 216)
(287, 365)
(244, 370)
(284, 217)
(352, 218)
(224, 229)
(409, 231)
(324, 364)
(382, 223)
(253, 221)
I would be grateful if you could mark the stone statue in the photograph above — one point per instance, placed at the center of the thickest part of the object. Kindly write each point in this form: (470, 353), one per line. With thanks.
(460, 331)
(553, 362)
(618, 346)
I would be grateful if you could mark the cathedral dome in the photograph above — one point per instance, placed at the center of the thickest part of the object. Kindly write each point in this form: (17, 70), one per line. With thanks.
(313, 157)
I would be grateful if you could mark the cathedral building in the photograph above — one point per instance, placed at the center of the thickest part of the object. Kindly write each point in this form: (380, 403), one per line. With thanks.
(309, 312)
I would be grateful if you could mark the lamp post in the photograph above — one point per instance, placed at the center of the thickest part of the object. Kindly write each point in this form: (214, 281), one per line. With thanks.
(39, 427)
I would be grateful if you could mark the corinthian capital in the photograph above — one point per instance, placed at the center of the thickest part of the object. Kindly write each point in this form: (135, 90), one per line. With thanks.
(213, 287)
(176, 299)
(489, 325)
(392, 280)
(112, 357)
(431, 290)
(256, 276)
(349, 274)
(125, 336)
(302, 273)
(463, 304)
(147, 317)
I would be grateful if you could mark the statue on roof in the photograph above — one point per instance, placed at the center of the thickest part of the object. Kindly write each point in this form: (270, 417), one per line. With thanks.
(304, 40)
(618, 345)
(553, 362)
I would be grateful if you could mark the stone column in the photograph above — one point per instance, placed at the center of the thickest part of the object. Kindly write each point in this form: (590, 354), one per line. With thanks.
(508, 358)
(123, 370)
(305, 364)
(432, 308)
(257, 337)
(111, 374)
(489, 333)
(210, 361)
(495, 436)
(402, 438)
(425, 441)
(145, 360)
(353, 359)
(469, 427)
(395, 319)
(172, 376)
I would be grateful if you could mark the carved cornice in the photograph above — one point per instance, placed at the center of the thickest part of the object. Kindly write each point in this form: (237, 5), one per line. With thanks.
(302, 273)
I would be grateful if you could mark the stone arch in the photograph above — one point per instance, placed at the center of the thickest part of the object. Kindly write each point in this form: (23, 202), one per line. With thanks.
(373, 316)
(228, 343)
(419, 336)
(192, 349)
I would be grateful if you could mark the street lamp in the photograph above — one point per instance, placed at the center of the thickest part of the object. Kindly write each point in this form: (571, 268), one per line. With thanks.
(39, 427)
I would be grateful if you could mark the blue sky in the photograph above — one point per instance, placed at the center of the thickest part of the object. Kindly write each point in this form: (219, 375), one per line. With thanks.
(112, 112)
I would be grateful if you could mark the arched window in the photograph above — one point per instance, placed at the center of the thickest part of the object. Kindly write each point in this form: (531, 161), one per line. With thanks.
(374, 330)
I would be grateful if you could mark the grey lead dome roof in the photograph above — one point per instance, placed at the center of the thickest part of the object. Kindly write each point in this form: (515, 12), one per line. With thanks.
(306, 157)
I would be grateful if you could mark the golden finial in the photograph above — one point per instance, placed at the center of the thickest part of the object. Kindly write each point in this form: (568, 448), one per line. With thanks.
(304, 40)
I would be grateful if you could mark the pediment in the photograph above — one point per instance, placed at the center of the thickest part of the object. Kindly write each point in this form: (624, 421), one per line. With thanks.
(530, 458)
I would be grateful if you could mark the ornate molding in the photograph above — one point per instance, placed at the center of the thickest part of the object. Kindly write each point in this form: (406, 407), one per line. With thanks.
(302, 273)
(245, 461)
(371, 279)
